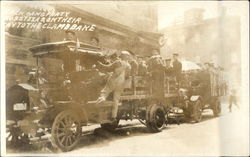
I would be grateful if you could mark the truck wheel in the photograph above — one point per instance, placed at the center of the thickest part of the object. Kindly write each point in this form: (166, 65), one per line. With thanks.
(155, 118)
(187, 114)
(66, 130)
(16, 138)
(197, 111)
(110, 126)
(216, 108)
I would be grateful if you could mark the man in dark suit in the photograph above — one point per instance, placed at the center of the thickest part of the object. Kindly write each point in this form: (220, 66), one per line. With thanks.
(156, 68)
(169, 68)
(177, 68)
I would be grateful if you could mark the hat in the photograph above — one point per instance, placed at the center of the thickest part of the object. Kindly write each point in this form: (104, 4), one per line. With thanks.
(68, 31)
(95, 39)
(126, 53)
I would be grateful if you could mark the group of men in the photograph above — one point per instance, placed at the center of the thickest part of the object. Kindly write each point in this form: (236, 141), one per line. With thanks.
(127, 65)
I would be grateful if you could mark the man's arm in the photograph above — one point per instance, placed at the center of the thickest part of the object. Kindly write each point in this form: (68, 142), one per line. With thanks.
(110, 66)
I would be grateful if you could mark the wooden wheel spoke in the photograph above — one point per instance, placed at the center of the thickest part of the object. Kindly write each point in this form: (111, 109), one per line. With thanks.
(62, 123)
(61, 134)
(73, 136)
(60, 129)
(70, 140)
(67, 141)
(65, 130)
(63, 139)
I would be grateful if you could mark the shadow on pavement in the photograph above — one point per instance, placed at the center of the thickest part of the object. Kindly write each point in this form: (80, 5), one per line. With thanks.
(101, 137)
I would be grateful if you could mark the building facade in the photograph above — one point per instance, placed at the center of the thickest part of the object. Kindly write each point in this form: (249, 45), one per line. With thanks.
(216, 40)
(118, 27)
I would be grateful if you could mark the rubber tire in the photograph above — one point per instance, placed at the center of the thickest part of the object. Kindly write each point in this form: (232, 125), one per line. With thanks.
(54, 135)
(18, 139)
(151, 116)
(197, 107)
(216, 108)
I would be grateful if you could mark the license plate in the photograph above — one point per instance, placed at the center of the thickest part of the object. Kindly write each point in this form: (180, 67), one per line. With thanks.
(20, 106)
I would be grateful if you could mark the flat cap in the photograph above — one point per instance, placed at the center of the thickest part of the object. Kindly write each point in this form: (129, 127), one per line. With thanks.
(68, 31)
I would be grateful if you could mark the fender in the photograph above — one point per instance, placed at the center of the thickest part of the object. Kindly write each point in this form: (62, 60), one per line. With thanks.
(77, 108)
(195, 98)
(52, 112)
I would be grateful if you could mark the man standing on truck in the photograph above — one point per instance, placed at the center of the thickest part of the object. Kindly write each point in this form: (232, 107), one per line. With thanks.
(142, 66)
(70, 36)
(169, 68)
(116, 81)
(177, 68)
(156, 68)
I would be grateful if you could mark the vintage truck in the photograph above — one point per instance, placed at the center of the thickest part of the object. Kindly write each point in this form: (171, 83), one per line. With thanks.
(60, 99)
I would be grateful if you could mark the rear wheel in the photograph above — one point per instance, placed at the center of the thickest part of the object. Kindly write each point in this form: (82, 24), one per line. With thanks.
(155, 118)
(216, 108)
(197, 111)
(66, 130)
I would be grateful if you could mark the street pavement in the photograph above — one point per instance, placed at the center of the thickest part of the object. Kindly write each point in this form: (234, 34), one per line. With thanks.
(213, 136)
(224, 135)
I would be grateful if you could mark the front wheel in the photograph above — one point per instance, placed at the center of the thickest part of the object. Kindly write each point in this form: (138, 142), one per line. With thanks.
(66, 130)
(155, 118)
(15, 137)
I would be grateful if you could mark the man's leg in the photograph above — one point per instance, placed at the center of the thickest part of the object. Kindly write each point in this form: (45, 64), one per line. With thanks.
(116, 98)
(104, 94)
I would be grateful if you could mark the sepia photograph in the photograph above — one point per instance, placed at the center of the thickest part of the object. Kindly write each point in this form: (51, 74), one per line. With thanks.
(124, 78)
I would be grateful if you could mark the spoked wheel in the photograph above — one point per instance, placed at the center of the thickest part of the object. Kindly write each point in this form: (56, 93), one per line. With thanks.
(15, 137)
(156, 118)
(216, 108)
(66, 130)
(110, 126)
(197, 111)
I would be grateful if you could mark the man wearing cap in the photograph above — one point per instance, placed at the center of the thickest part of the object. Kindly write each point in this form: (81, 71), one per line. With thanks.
(142, 67)
(70, 36)
(169, 68)
(94, 41)
(120, 72)
(177, 67)
(156, 68)
(134, 64)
